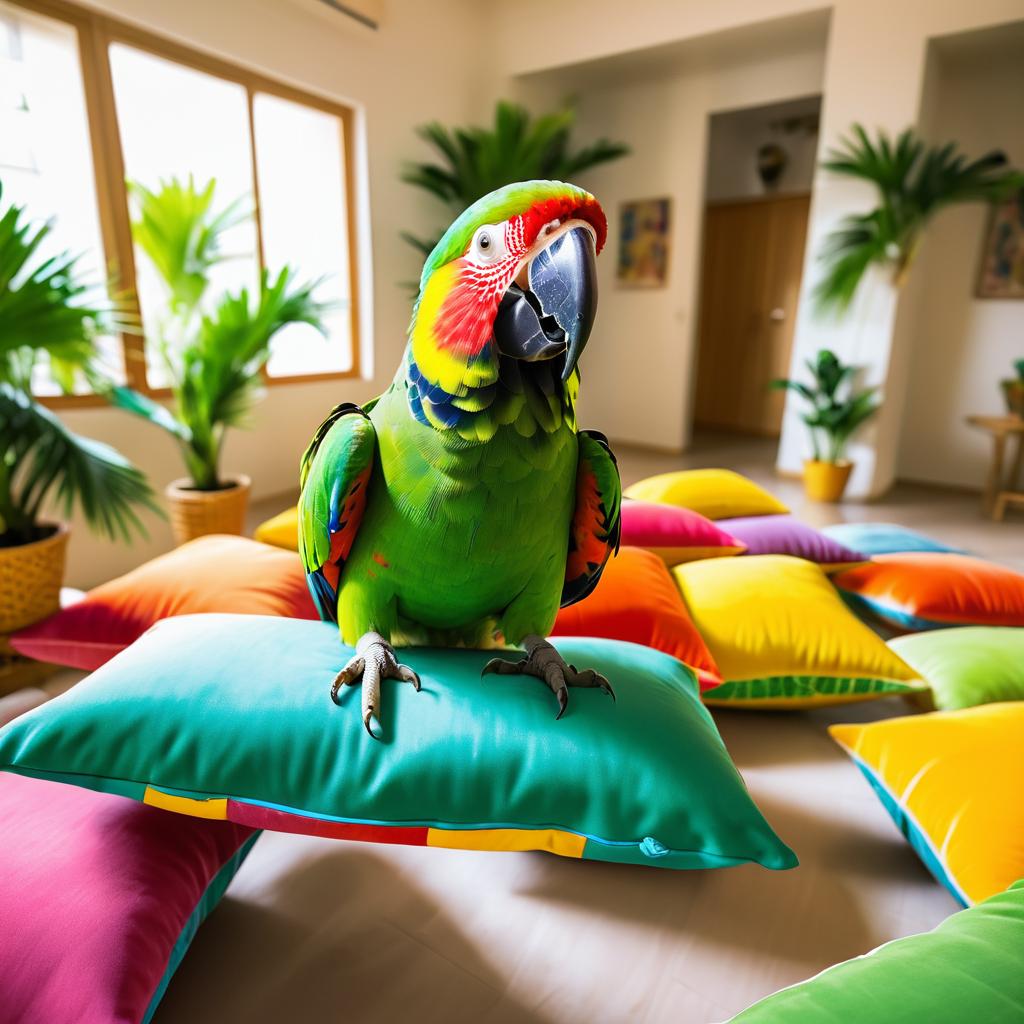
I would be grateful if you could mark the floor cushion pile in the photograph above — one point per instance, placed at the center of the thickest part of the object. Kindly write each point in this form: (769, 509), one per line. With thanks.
(952, 782)
(210, 574)
(786, 535)
(637, 600)
(99, 900)
(675, 534)
(714, 493)
(783, 638)
(926, 590)
(230, 717)
(884, 538)
(965, 970)
(968, 665)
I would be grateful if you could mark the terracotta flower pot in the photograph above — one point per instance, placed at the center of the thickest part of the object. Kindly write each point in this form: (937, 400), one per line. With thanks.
(826, 481)
(196, 513)
(30, 579)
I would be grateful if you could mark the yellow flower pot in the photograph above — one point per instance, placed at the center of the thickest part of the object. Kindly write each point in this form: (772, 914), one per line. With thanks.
(826, 481)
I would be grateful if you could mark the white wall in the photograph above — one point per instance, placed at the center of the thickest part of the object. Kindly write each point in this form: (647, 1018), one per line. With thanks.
(962, 345)
(737, 135)
(637, 370)
(397, 78)
(873, 73)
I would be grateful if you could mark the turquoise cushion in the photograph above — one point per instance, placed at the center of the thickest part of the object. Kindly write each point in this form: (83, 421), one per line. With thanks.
(884, 538)
(229, 716)
(966, 971)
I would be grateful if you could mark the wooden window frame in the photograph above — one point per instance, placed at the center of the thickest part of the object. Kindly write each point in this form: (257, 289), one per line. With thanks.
(96, 32)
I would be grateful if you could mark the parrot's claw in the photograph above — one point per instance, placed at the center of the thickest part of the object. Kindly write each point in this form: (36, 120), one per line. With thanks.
(544, 662)
(373, 661)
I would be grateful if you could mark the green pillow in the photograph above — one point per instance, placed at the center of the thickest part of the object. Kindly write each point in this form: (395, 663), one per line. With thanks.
(230, 716)
(967, 665)
(966, 971)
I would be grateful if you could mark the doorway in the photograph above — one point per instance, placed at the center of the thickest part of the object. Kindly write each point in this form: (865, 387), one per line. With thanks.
(760, 170)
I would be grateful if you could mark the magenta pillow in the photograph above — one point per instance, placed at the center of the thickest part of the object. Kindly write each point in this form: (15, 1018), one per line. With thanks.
(100, 897)
(674, 533)
(785, 535)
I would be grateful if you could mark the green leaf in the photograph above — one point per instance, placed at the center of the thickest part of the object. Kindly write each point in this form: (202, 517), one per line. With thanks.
(912, 183)
(42, 460)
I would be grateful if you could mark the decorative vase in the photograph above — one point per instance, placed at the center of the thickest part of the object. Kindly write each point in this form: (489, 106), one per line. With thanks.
(30, 579)
(196, 513)
(771, 162)
(826, 481)
(1013, 392)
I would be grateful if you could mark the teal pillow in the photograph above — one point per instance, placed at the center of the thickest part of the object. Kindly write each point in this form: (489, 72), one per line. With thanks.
(966, 970)
(884, 539)
(229, 716)
(967, 665)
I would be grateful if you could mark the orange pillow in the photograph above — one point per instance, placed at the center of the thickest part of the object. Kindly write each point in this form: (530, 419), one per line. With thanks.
(637, 600)
(924, 590)
(211, 574)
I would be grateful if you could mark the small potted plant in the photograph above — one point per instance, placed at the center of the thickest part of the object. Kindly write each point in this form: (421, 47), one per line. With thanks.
(1013, 390)
(837, 411)
(213, 348)
(50, 317)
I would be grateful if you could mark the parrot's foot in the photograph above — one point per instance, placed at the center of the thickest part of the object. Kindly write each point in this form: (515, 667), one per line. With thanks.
(374, 660)
(544, 662)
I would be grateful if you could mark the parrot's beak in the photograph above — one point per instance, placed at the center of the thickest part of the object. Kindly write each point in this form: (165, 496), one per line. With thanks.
(549, 309)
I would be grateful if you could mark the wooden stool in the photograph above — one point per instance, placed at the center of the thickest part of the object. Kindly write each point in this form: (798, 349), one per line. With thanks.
(1002, 489)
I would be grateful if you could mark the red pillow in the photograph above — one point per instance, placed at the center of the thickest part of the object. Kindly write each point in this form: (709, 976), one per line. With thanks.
(211, 574)
(637, 600)
(674, 533)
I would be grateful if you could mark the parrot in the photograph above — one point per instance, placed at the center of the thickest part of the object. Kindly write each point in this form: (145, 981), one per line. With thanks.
(463, 506)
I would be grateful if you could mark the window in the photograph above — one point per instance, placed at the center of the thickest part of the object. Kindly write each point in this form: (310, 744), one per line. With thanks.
(87, 103)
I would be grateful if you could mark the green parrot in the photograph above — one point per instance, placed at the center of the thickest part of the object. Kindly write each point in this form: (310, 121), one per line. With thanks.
(463, 506)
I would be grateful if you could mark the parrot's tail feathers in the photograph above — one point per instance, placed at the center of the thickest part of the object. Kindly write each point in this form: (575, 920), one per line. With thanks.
(324, 596)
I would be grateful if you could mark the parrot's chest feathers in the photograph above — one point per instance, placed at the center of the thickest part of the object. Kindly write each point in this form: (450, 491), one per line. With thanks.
(456, 529)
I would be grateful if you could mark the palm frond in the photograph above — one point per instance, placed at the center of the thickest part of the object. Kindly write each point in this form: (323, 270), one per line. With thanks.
(913, 182)
(41, 460)
(515, 147)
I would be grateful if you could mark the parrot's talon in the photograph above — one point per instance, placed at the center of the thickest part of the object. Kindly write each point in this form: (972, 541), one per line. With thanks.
(373, 661)
(547, 665)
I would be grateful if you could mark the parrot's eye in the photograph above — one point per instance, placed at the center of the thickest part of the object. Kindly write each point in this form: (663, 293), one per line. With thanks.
(489, 244)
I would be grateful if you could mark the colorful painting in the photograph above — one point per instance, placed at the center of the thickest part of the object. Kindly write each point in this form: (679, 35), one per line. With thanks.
(643, 243)
(1002, 261)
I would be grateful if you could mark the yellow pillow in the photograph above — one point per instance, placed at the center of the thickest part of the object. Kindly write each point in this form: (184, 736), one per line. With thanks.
(952, 781)
(782, 637)
(282, 531)
(714, 493)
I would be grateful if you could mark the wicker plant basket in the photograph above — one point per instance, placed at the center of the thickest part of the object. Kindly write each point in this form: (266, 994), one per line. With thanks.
(30, 580)
(197, 513)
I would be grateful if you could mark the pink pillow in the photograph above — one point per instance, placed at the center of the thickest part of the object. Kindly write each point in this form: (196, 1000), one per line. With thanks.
(674, 533)
(99, 899)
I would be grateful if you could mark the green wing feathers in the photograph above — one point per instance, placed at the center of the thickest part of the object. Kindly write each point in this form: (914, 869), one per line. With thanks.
(596, 524)
(335, 476)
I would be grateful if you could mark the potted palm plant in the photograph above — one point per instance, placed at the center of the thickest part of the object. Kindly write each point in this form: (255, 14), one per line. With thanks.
(51, 318)
(913, 183)
(476, 160)
(213, 349)
(837, 411)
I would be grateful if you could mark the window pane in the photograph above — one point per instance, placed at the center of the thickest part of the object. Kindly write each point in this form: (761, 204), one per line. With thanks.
(179, 122)
(45, 155)
(300, 165)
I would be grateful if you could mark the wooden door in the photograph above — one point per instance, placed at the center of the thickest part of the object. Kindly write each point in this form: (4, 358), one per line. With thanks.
(753, 261)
